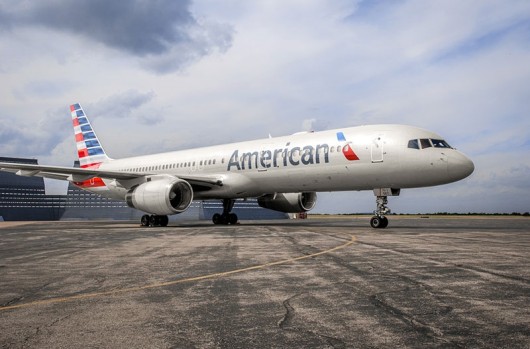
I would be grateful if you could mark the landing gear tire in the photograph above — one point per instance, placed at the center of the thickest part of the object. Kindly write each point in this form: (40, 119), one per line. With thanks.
(226, 217)
(379, 222)
(154, 221)
(164, 221)
(232, 218)
(216, 219)
(145, 220)
(375, 222)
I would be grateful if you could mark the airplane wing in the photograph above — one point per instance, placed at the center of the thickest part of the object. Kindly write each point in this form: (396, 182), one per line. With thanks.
(64, 173)
(75, 174)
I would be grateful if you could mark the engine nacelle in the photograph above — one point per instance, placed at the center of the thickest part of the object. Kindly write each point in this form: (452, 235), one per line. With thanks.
(161, 196)
(289, 202)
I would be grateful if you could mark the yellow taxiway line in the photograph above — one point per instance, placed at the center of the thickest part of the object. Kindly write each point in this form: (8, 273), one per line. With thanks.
(174, 282)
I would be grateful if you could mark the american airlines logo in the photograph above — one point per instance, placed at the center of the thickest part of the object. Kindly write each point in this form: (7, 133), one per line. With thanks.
(295, 156)
(349, 153)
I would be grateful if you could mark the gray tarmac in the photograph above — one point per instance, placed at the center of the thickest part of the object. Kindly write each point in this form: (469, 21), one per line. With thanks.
(317, 283)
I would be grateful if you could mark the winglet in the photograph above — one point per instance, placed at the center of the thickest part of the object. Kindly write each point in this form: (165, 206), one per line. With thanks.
(89, 149)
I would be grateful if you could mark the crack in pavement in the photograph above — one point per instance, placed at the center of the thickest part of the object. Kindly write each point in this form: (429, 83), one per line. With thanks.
(19, 298)
(479, 270)
(12, 301)
(474, 269)
(289, 312)
(410, 319)
(285, 322)
(38, 330)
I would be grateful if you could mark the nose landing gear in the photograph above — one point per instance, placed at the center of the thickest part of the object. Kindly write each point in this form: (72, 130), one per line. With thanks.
(226, 217)
(379, 221)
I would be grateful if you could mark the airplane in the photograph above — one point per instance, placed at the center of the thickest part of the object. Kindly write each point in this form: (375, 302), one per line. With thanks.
(283, 173)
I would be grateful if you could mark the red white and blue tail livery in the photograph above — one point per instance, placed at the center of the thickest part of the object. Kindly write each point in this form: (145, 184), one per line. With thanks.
(283, 173)
(89, 149)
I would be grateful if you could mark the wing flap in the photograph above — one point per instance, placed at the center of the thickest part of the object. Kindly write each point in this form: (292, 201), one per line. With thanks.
(62, 177)
(27, 173)
(200, 180)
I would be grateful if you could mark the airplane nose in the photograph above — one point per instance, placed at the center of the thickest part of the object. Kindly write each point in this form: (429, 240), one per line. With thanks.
(459, 166)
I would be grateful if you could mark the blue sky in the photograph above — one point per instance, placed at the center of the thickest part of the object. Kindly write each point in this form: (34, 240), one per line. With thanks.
(167, 75)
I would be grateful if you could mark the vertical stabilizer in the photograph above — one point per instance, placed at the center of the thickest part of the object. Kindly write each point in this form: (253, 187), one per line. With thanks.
(89, 149)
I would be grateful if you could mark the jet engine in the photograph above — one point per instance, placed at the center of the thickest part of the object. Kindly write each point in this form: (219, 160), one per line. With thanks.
(289, 202)
(161, 197)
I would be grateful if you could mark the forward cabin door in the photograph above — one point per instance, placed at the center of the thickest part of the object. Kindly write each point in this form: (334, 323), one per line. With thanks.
(377, 149)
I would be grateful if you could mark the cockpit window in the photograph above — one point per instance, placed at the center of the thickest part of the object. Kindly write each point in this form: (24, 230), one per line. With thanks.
(440, 143)
(428, 143)
(425, 143)
(413, 144)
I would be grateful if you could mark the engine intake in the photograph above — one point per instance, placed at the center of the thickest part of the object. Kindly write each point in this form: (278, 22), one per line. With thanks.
(161, 197)
(289, 202)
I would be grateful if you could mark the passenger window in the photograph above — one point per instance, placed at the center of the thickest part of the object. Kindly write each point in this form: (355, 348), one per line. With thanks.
(413, 144)
(425, 143)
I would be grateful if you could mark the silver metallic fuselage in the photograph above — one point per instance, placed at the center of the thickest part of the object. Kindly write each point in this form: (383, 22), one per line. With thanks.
(309, 162)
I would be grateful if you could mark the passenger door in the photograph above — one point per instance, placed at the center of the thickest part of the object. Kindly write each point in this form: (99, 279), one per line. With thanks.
(377, 149)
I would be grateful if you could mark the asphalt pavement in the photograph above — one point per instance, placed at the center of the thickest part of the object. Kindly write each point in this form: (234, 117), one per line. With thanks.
(317, 283)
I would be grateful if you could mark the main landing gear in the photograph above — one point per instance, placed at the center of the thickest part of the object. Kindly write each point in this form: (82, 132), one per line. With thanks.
(226, 217)
(154, 221)
(379, 220)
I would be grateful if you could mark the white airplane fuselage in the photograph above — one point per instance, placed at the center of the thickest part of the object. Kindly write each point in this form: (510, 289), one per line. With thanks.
(308, 162)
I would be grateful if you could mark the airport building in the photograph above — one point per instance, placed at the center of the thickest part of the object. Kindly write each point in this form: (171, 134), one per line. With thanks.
(24, 198)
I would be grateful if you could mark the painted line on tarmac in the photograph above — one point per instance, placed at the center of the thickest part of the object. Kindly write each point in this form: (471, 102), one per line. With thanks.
(179, 281)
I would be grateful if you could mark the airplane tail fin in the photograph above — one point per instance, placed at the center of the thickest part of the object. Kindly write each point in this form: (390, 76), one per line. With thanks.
(89, 149)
